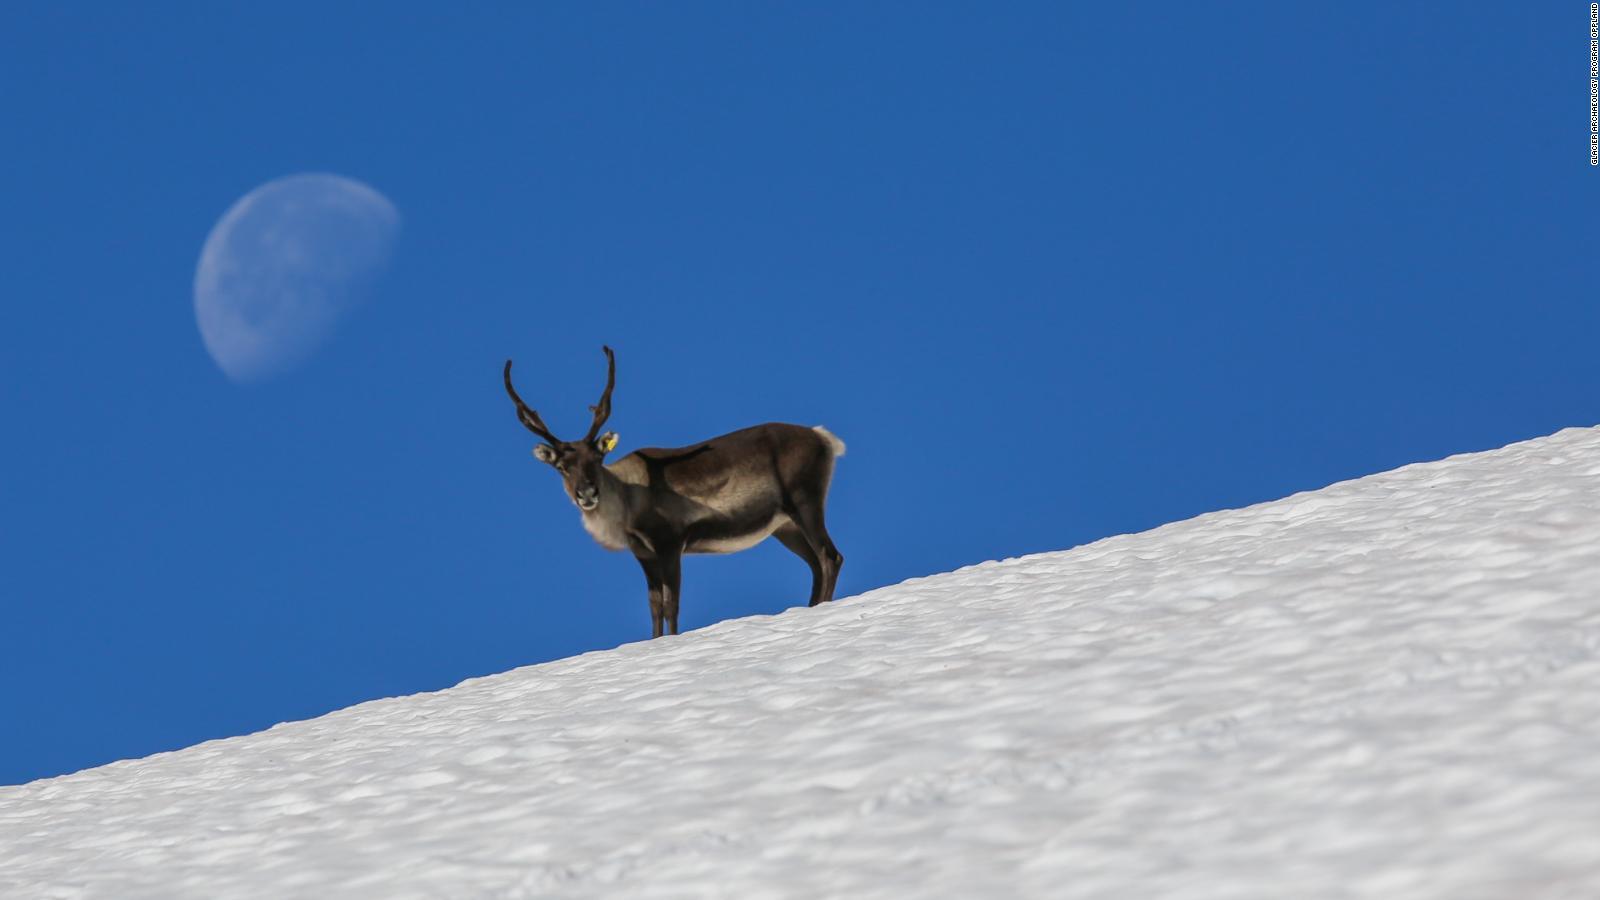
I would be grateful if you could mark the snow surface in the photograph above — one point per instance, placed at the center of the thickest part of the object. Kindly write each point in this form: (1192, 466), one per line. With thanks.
(1386, 688)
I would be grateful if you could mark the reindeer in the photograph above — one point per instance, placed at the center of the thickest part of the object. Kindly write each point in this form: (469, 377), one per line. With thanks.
(718, 496)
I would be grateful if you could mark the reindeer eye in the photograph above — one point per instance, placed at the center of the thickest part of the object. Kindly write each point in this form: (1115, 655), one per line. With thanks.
(561, 467)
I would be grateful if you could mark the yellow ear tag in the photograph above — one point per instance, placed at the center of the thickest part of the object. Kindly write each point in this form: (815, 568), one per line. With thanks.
(608, 443)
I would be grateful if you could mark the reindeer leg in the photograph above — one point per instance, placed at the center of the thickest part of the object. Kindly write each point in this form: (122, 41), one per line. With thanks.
(808, 519)
(671, 563)
(792, 537)
(835, 562)
(652, 575)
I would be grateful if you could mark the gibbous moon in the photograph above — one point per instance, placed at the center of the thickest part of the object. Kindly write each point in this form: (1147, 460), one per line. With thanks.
(283, 265)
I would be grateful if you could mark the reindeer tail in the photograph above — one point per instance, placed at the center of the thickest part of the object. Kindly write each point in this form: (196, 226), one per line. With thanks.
(834, 444)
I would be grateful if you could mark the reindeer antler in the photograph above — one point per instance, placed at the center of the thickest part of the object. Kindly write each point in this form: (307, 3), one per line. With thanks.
(529, 418)
(601, 410)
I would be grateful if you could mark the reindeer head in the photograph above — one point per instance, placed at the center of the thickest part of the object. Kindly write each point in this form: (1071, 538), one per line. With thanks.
(579, 462)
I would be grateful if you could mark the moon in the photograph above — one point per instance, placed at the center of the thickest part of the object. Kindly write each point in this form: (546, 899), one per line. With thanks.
(284, 265)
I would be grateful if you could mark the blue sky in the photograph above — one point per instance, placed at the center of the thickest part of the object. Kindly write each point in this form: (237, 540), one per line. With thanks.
(1053, 271)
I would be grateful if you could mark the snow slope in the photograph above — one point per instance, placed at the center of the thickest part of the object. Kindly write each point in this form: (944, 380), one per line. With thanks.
(1386, 688)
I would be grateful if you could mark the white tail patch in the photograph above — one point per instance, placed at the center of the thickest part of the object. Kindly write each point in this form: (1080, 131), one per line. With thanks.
(833, 440)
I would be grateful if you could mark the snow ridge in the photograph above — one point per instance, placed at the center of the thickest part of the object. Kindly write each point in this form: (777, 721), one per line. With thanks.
(1386, 688)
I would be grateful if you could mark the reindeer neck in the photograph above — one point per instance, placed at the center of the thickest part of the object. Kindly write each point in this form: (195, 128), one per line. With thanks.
(608, 522)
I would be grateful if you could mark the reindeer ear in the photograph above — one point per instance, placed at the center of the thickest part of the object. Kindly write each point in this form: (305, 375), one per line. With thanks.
(607, 442)
(545, 453)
